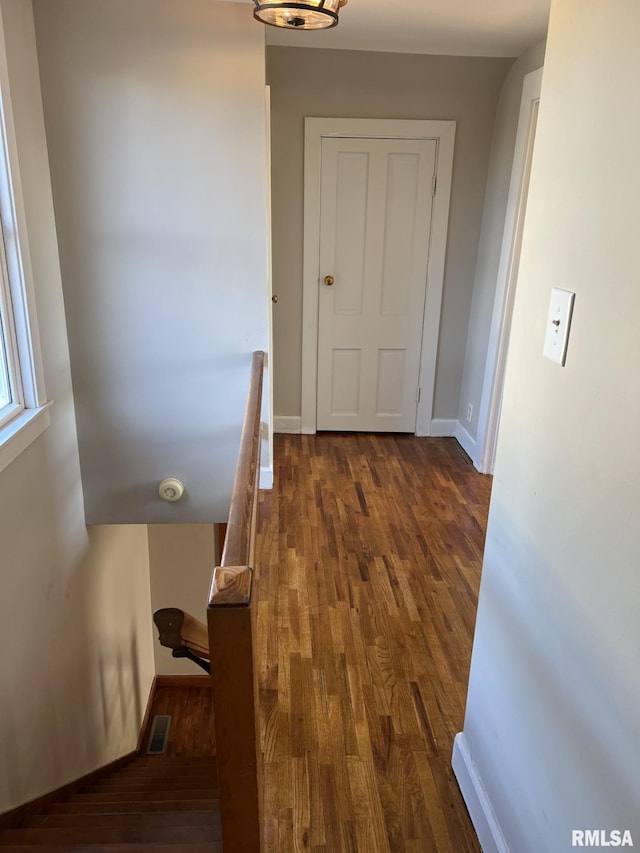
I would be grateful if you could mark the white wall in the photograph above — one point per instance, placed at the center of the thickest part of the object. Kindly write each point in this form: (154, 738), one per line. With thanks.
(553, 711)
(76, 654)
(155, 116)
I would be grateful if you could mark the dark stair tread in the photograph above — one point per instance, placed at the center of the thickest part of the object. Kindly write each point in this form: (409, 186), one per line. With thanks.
(202, 779)
(150, 778)
(151, 847)
(137, 819)
(169, 768)
(150, 771)
(135, 807)
(125, 796)
(171, 761)
(111, 835)
(195, 783)
(142, 785)
(153, 804)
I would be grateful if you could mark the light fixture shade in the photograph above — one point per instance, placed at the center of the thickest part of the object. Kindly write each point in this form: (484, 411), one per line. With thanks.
(307, 15)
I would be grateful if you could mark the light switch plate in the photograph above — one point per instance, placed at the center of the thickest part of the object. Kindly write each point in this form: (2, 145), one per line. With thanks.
(558, 324)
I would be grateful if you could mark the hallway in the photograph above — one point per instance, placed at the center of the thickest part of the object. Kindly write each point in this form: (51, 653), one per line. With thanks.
(368, 567)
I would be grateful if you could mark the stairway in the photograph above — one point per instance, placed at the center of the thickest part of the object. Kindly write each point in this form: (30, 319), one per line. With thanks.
(154, 803)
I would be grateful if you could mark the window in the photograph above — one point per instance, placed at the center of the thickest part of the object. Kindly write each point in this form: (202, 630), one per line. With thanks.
(23, 406)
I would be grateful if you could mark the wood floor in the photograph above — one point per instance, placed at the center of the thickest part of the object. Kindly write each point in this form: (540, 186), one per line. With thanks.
(368, 569)
(189, 702)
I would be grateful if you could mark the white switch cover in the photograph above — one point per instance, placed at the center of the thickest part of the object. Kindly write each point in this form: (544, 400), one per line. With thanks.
(558, 323)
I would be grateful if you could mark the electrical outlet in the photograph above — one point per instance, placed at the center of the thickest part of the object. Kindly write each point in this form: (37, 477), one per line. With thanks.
(469, 413)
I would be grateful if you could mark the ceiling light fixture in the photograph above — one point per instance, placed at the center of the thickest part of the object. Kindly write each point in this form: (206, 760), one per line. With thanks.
(309, 15)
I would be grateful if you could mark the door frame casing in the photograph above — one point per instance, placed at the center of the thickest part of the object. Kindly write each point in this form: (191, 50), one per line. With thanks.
(507, 278)
(443, 132)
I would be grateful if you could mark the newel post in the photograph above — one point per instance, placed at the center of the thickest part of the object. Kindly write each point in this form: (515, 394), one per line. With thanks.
(231, 629)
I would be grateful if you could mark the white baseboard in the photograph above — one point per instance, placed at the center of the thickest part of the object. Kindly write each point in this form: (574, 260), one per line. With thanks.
(466, 442)
(292, 425)
(475, 796)
(450, 426)
(266, 478)
(443, 426)
(287, 424)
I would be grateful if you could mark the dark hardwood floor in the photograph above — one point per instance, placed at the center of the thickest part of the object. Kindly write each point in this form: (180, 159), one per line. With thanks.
(368, 568)
(191, 732)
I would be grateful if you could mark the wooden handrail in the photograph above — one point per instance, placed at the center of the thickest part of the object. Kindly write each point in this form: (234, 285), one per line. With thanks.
(240, 537)
(231, 622)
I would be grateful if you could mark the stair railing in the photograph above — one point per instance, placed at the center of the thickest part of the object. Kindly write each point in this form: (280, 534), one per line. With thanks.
(231, 617)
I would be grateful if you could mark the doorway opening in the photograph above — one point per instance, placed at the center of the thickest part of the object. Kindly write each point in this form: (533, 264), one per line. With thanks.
(495, 366)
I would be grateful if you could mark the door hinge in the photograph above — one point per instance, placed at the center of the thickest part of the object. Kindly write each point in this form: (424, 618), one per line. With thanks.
(434, 184)
(418, 395)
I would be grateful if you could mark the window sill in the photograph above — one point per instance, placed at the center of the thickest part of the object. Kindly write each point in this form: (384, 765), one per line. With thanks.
(20, 432)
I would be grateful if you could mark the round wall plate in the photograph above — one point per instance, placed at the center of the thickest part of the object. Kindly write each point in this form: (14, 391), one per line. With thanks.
(171, 490)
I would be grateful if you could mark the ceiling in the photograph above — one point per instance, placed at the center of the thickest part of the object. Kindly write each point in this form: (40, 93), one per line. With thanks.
(456, 27)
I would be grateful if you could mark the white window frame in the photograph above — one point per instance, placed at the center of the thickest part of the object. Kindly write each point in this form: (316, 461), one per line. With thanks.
(27, 416)
(9, 380)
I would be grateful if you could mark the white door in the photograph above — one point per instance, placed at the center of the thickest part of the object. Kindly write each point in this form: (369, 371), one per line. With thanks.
(375, 219)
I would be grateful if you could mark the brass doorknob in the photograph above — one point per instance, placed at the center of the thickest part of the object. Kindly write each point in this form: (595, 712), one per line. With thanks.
(329, 280)
(274, 298)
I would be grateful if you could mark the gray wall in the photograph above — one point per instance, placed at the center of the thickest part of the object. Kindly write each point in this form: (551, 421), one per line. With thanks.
(493, 219)
(76, 661)
(554, 695)
(355, 84)
(156, 128)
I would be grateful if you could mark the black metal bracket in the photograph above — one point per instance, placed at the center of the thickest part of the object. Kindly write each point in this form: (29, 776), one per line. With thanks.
(187, 653)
